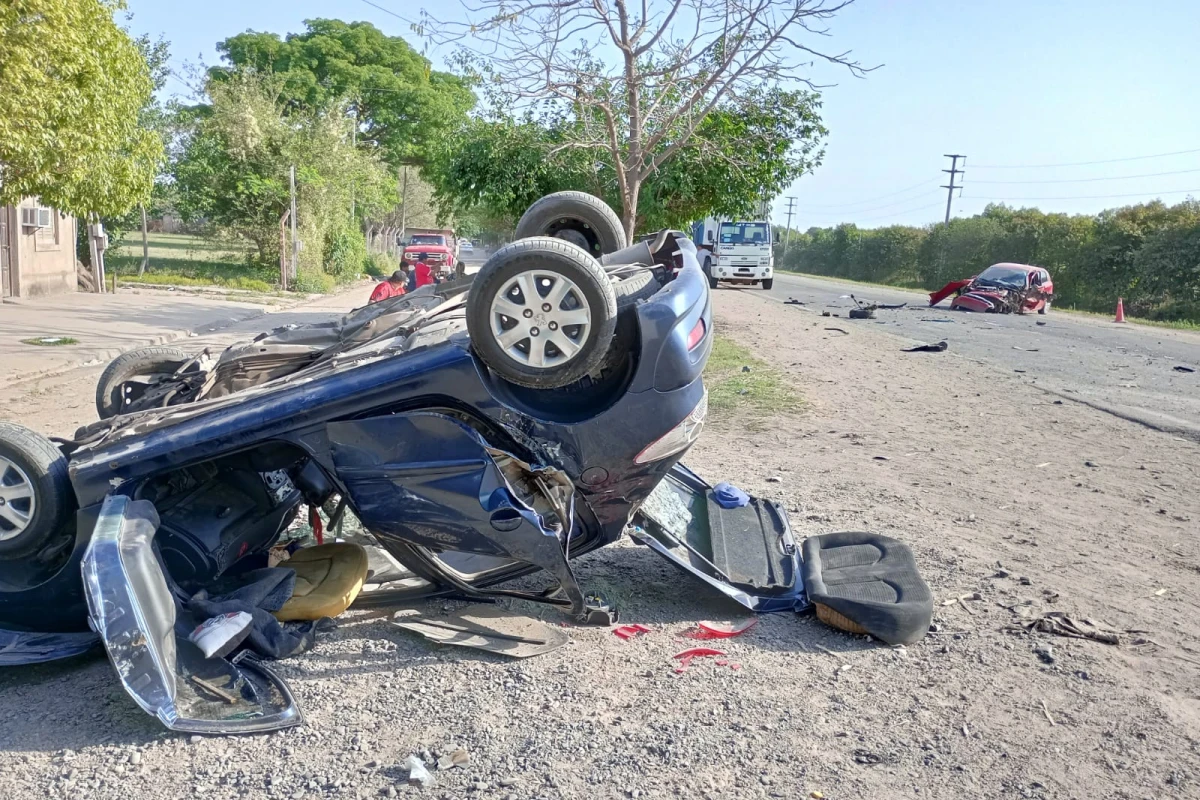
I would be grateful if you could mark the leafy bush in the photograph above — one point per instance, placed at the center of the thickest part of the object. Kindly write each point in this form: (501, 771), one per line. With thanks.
(313, 281)
(345, 253)
(379, 265)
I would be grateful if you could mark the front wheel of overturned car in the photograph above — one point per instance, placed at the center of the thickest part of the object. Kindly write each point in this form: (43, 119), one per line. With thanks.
(35, 490)
(149, 363)
(576, 217)
(1045, 308)
(541, 313)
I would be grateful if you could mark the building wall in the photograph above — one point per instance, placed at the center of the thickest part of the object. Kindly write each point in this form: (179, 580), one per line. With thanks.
(42, 261)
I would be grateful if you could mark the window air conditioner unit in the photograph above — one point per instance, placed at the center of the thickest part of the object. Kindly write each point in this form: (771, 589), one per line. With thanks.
(35, 217)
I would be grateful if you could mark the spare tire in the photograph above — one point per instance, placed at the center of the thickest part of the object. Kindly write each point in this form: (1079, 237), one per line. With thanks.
(541, 313)
(145, 362)
(577, 217)
(35, 491)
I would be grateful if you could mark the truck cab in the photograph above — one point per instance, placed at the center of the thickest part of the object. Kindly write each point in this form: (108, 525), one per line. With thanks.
(736, 251)
(440, 249)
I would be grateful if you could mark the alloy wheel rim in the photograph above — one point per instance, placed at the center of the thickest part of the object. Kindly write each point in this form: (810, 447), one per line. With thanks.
(540, 319)
(18, 501)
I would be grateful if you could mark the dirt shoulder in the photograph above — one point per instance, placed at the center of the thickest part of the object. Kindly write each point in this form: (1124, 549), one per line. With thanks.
(960, 714)
(986, 476)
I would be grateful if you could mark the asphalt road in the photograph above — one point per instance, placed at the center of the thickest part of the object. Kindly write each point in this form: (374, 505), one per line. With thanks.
(1128, 370)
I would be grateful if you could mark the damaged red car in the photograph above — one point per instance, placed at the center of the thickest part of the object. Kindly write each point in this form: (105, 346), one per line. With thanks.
(1003, 288)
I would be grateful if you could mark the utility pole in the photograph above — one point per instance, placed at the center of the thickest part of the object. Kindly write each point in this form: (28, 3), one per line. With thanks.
(954, 171)
(353, 146)
(788, 240)
(295, 241)
(403, 201)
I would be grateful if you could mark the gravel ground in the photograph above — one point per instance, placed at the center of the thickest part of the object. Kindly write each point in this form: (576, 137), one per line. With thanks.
(1034, 506)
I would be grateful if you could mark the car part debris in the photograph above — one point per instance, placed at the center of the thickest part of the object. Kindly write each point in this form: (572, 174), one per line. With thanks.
(791, 301)
(1059, 624)
(867, 584)
(686, 657)
(1184, 369)
(418, 775)
(839, 330)
(935, 319)
(717, 630)
(496, 630)
(133, 610)
(937, 347)
(628, 632)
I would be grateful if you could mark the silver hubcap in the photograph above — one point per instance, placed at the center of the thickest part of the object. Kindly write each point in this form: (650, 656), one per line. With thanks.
(17, 501)
(540, 319)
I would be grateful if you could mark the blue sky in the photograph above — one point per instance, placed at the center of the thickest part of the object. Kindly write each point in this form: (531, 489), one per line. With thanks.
(1022, 83)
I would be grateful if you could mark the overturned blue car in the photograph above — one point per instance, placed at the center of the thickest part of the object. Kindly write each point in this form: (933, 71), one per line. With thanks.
(479, 430)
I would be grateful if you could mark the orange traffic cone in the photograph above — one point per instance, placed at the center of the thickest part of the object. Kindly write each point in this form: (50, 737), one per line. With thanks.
(1120, 310)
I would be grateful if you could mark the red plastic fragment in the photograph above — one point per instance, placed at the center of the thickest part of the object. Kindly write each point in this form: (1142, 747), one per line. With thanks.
(715, 630)
(685, 658)
(628, 632)
(318, 528)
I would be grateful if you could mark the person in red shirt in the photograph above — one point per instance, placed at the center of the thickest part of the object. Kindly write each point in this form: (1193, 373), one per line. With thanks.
(424, 274)
(392, 287)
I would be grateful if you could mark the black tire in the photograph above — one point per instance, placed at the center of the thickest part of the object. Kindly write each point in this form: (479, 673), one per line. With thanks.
(560, 258)
(1045, 308)
(29, 460)
(577, 217)
(768, 284)
(145, 361)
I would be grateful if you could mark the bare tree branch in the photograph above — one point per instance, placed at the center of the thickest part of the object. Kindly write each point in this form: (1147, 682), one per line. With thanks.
(640, 79)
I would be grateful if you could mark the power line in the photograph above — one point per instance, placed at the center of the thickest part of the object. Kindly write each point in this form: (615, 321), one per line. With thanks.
(1082, 163)
(389, 11)
(905, 211)
(924, 183)
(1091, 196)
(837, 213)
(1114, 178)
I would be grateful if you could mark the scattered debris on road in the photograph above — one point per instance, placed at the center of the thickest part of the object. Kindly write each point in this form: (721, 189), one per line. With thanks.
(627, 632)
(839, 330)
(791, 301)
(686, 657)
(1182, 368)
(716, 630)
(489, 628)
(937, 347)
(418, 775)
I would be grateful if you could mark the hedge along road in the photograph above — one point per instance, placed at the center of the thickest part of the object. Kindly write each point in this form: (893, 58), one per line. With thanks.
(1127, 370)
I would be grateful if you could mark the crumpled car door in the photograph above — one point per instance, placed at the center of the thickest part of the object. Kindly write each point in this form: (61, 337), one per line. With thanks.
(133, 610)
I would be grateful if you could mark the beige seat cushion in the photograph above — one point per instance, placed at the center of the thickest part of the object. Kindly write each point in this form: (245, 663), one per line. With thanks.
(328, 578)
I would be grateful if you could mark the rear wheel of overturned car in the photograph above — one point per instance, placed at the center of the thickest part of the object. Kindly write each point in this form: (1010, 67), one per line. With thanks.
(541, 313)
(576, 217)
(1045, 308)
(35, 490)
(114, 392)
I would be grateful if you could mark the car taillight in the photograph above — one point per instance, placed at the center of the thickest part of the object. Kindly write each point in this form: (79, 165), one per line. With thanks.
(678, 438)
(697, 335)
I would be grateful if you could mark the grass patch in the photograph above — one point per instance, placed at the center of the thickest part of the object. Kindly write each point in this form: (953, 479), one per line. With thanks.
(754, 394)
(181, 260)
(50, 341)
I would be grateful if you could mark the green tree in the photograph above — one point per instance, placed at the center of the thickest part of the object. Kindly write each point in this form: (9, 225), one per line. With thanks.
(402, 105)
(232, 171)
(747, 150)
(640, 81)
(73, 85)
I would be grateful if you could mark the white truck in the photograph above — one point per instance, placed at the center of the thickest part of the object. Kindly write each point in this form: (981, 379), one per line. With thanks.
(736, 251)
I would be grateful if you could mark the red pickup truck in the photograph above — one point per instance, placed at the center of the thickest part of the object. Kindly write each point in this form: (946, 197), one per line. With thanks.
(439, 246)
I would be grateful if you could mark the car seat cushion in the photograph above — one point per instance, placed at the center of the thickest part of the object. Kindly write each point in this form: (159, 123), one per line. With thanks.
(328, 579)
(867, 583)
